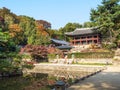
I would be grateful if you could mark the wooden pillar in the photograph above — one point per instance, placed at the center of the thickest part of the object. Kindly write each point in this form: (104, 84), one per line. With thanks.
(92, 39)
(86, 40)
(74, 40)
(97, 39)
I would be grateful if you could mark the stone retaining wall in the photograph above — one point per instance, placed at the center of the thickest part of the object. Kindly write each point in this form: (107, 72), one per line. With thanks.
(102, 61)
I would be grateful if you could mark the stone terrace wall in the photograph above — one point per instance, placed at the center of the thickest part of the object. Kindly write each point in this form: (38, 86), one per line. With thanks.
(102, 61)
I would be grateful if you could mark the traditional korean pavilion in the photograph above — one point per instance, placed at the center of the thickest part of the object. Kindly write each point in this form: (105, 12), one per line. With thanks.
(84, 36)
(62, 45)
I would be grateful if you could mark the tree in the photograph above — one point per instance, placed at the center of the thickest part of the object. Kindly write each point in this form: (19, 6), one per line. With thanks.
(37, 52)
(10, 24)
(42, 32)
(2, 23)
(106, 17)
(8, 16)
(27, 24)
(88, 24)
(43, 23)
(6, 42)
(69, 27)
(24, 29)
(34, 32)
(16, 33)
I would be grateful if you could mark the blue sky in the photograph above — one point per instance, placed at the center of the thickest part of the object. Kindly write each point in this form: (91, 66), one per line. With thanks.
(57, 12)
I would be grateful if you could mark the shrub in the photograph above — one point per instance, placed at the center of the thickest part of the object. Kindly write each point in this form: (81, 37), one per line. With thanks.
(109, 46)
(51, 56)
(37, 52)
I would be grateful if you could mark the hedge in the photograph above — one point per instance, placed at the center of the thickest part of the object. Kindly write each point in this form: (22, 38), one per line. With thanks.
(86, 55)
(94, 55)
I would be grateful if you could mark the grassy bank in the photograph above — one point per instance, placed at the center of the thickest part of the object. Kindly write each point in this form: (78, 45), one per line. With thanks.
(85, 55)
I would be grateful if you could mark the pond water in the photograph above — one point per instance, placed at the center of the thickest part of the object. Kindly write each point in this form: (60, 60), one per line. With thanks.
(27, 82)
(34, 81)
(40, 81)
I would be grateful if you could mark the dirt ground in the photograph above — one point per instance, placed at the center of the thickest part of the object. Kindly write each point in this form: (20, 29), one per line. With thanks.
(108, 79)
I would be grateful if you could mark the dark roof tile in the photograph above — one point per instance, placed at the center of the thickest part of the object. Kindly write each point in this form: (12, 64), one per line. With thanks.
(81, 31)
(60, 41)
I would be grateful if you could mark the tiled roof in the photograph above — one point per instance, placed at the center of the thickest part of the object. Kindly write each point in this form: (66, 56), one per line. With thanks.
(81, 31)
(65, 47)
(60, 41)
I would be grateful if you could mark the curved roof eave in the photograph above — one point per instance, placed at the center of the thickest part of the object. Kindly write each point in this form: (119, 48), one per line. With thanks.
(81, 31)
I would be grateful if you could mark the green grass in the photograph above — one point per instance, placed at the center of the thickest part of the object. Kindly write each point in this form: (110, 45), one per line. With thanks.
(101, 64)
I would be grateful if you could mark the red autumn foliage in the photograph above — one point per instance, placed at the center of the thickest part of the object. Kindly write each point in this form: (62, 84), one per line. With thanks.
(53, 50)
(36, 51)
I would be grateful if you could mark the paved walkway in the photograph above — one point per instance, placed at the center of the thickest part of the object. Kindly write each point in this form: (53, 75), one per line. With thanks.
(107, 80)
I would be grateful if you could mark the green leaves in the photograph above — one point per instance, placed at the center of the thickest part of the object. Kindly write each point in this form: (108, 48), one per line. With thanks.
(106, 16)
(5, 66)
(69, 27)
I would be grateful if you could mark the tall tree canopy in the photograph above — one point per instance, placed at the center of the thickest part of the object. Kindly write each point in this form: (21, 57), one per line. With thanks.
(69, 27)
(107, 17)
(89, 24)
(6, 43)
(24, 29)
(28, 27)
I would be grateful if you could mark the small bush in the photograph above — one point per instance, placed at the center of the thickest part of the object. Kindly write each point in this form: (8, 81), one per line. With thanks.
(51, 56)
(109, 46)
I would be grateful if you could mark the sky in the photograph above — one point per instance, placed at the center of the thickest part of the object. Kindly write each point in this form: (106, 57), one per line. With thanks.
(57, 12)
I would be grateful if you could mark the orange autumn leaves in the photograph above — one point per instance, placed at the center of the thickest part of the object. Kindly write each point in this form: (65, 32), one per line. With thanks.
(41, 30)
(14, 30)
(42, 27)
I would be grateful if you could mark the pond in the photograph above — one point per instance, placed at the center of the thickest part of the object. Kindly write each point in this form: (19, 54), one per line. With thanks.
(40, 81)
(27, 82)
(34, 81)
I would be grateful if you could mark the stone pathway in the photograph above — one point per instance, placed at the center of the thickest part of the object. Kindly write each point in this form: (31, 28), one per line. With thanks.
(109, 79)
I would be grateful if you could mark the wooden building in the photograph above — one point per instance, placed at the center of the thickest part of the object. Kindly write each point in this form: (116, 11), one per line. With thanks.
(84, 36)
(62, 45)
(57, 42)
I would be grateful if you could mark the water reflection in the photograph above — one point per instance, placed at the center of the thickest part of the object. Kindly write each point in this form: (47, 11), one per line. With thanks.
(45, 79)
(27, 82)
